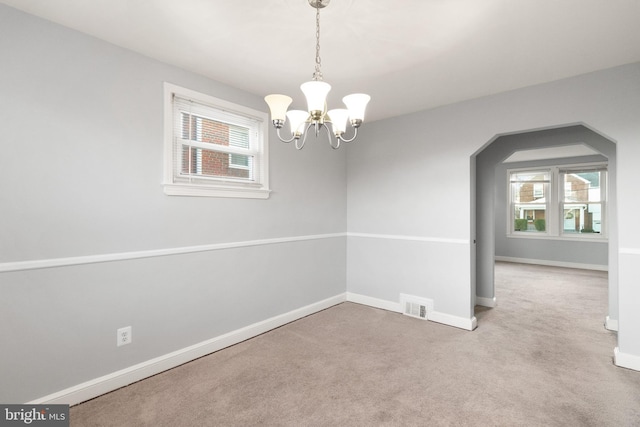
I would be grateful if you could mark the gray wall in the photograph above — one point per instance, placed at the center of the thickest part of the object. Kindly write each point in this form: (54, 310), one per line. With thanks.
(412, 202)
(408, 222)
(81, 172)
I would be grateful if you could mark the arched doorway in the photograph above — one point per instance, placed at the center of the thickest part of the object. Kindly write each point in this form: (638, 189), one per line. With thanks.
(490, 208)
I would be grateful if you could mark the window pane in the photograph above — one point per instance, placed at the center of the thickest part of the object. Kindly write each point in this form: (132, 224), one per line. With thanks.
(239, 161)
(239, 137)
(582, 218)
(214, 164)
(528, 217)
(211, 163)
(203, 129)
(189, 127)
(582, 186)
(529, 186)
(529, 194)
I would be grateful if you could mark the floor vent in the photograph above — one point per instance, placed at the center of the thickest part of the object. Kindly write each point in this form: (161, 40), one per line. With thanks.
(415, 306)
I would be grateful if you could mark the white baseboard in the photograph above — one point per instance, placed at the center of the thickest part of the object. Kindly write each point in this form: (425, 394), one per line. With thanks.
(553, 263)
(486, 302)
(455, 321)
(374, 302)
(611, 324)
(446, 319)
(625, 360)
(99, 386)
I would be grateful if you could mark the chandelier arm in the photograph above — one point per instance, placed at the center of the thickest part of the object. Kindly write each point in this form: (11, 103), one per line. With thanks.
(335, 147)
(286, 140)
(355, 134)
(304, 140)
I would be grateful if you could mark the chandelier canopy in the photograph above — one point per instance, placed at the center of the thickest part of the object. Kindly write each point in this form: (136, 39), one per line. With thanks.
(317, 116)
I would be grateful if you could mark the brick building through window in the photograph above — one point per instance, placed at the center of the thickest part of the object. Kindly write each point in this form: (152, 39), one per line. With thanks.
(209, 162)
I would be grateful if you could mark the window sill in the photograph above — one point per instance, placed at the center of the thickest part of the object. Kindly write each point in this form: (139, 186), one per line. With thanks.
(215, 191)
(577, 238)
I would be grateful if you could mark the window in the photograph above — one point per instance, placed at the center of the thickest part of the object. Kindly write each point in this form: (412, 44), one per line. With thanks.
(582, 201)
(213, 147)
(558, 202)
(529, 200)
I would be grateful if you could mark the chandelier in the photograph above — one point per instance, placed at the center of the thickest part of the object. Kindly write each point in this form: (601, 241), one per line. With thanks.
(317, 116)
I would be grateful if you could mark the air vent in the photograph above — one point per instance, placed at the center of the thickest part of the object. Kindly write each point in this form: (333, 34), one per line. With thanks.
(415, 306)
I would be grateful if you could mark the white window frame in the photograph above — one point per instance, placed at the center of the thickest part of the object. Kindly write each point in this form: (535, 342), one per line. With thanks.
(547, 185)
(602, 202)
(174, 183)
(554, 214)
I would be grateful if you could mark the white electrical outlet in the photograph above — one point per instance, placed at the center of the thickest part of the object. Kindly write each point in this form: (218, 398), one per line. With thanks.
(124, 336)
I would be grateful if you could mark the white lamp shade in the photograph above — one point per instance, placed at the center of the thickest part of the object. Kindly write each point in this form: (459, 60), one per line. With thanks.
(339, 118)
(297, 119)
(278, 105)
(356, 104)
(316, 94)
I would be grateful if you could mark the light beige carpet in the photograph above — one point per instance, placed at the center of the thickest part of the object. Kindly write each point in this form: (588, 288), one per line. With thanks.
(541, 358)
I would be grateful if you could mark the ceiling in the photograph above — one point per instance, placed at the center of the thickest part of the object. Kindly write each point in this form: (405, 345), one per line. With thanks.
(409, 55)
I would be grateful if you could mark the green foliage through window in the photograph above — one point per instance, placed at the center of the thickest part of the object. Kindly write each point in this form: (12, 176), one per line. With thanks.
(521, 224)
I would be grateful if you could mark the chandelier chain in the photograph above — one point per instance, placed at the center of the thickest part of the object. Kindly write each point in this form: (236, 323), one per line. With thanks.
(317, 75)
